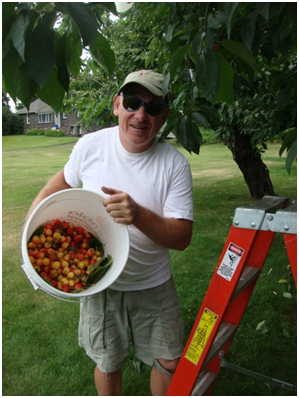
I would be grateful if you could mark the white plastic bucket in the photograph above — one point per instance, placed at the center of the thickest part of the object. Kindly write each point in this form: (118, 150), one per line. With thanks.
(83, 208)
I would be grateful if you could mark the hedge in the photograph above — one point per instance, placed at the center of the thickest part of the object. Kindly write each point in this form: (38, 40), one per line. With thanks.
(35, 132)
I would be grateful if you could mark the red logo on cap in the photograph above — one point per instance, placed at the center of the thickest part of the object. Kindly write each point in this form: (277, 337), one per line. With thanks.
(141, 73)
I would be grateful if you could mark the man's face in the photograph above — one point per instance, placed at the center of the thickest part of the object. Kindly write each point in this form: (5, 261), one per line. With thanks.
(137, 130)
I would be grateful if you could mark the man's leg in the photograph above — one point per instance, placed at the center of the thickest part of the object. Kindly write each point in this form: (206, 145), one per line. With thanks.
(107, 383)
(161, 379)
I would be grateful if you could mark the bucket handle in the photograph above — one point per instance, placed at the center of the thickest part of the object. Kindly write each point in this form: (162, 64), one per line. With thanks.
(35, 286)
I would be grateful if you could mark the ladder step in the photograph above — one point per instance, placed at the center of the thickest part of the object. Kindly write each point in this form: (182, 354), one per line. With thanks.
(205, 380)
(226, 331)
(248, 275)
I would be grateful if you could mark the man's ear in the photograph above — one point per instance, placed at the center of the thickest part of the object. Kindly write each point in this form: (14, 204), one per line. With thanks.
(116, 105)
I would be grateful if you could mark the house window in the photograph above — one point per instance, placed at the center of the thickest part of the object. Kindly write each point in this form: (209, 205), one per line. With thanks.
(45, 118)
(64, 116)
(28, 118)
(77, 114)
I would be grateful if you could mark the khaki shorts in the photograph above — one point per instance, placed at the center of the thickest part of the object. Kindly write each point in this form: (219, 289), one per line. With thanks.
(150, 319)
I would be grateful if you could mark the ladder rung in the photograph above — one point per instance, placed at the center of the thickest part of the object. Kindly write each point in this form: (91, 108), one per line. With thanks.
(205, 379)
(249, 274)
(225, 332)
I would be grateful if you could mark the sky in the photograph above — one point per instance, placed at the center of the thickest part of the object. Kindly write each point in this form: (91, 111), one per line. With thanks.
(122, 6)
(12, 105)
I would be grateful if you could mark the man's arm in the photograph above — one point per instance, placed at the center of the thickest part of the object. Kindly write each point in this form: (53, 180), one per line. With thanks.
(168, 232)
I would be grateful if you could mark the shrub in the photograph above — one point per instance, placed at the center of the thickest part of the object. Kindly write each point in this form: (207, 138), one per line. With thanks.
(35, 132)
(12, 124)
(209, 136)
(54, 133)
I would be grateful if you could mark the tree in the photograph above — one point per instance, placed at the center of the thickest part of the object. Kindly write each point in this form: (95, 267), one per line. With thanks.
(230, 65)
(12, 124)
(43, 43)
(92, 92)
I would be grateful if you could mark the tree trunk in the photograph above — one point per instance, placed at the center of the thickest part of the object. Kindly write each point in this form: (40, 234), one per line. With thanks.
(255, 172)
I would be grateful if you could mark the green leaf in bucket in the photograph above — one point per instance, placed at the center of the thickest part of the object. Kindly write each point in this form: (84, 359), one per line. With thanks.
(71, 249)
(95, 266)
(38, 231)
(95, 243)
(99, 270)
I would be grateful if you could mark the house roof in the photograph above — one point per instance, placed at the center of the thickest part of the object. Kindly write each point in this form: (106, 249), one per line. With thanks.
(37, 106)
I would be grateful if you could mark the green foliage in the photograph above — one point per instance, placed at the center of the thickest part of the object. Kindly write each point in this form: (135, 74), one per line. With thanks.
(47, 133)
(35, 132)
(209, 136)
(12, 124)
(92, 92)
(42, 47)
(54, 133)
(229, 57)
(289, 143)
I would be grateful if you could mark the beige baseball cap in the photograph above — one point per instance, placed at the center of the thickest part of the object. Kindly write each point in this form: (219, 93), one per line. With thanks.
(149, 79)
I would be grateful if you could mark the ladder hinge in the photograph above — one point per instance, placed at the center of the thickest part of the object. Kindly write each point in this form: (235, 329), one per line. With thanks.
(261, 215)
(284, 221)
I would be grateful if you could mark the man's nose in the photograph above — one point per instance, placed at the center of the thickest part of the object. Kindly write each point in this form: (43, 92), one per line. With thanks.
(140, 113)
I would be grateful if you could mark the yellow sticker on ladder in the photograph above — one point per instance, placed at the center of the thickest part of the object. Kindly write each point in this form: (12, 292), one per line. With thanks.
(201, 336)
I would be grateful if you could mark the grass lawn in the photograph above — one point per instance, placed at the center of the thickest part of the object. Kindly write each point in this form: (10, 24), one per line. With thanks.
(22, 142)
(39, 333)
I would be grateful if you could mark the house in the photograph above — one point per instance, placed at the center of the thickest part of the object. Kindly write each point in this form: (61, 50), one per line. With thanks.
(41, 116)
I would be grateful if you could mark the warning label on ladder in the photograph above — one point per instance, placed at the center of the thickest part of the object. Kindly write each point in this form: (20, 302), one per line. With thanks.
(201, 336)
(230, 261)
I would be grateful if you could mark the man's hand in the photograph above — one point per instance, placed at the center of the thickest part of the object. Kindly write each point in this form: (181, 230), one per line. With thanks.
(120, 206)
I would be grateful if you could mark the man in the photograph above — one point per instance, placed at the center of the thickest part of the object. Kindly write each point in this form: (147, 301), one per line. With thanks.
(149, 188)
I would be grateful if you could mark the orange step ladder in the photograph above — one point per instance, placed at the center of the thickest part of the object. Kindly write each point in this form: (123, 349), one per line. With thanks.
(232, 284)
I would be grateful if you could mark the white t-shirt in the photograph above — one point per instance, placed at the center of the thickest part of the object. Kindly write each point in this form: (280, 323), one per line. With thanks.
(158, 179)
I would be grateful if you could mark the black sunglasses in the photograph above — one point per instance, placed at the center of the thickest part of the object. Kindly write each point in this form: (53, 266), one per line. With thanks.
(152, 108)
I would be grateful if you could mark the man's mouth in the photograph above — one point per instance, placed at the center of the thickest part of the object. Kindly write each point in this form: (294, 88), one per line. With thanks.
(139, 127)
